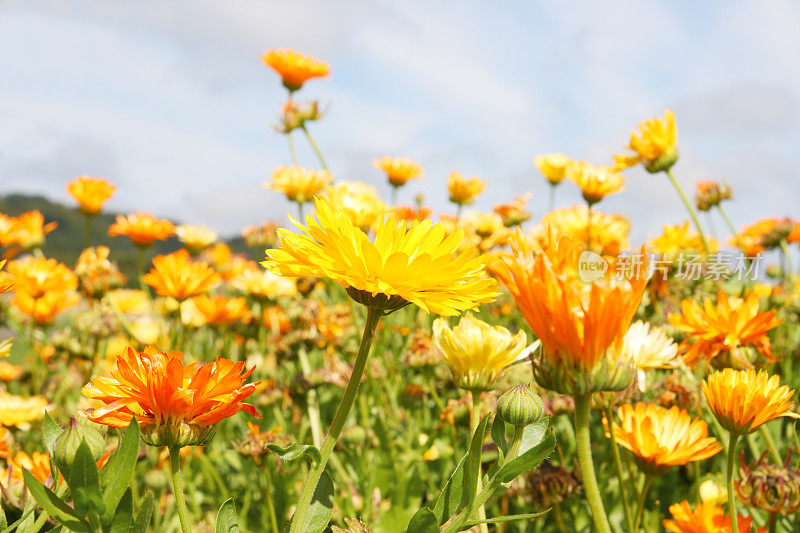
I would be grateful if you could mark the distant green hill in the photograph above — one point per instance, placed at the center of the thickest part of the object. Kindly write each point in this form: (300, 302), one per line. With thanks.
(66, 242)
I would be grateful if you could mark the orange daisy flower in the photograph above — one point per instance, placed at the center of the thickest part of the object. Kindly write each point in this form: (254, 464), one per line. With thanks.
(5, 451)
(37, 463)
(91, 193)
(142, 228)
(36, 276)
(176, 275)
(661, 438)
(764, 234)
(176, 404)
(463, 191)
(705, 518)
(742, 400)
(656, 145)
(221, 310)
(580, 324)
(398, 170)
(295, 68)
(724, 329)
(595, 182)
(6, 281)
(44, 309)
(28, 230)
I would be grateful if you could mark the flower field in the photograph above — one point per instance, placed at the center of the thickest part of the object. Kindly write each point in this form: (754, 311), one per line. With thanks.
(380, 367)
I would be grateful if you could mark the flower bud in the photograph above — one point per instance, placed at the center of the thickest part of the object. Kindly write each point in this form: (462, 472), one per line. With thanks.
(519, 406)
(773, 488)
(663, 162)
(66, 444)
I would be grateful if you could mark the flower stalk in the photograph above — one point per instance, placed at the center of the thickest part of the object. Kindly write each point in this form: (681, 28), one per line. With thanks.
(177, 488)
(475, 419)
(729, 473)
(583, 441)
(623, 484)
(689, 208)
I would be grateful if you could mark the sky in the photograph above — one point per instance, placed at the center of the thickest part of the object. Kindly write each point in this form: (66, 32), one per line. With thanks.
(170, 101)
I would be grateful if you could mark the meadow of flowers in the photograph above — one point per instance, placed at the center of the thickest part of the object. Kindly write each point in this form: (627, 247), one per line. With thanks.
(404, 370)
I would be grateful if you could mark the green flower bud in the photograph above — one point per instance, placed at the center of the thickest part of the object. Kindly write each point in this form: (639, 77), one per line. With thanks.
(519, 406)
(66, 444)
(662, 163)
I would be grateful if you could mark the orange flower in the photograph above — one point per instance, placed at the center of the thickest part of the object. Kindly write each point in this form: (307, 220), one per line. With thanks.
(176, 275)
(295, 68)
(595, 182)
(5, 451)
(661, 438)
(142, 228)
(609, 233)
(656, 147)
(742, 400)
(398, 170)
(221, 310)
(37, 276)
(37, 463)
(44, 309)
(91, 193)
(176, 404)
(705, 518)
(463, 191)
(764, 234)
(6, 281)
(28, 230)
(410, 213)
(580, 324)
(731, 328)
(10, 371)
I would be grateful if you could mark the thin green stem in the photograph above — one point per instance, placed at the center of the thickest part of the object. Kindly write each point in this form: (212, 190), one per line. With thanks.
(292, 151)
(177, 488)
(728, 222)
(311, 399)
(314, 147)
(772, 524)
(774, 454)
(350, 393)
(300, 212)
(729, 473)
(642, 498)
(584, 451)
(588, 226)
(394, 195)
(475, 419)
(689, 208)
(787, 256)
(88, 229)
(552, 202)
(559, 520)
(273, 519)
(623, 484)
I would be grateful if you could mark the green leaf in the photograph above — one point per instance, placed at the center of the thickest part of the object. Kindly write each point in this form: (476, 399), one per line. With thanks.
(499, 436)
(450, 497)
(115, 477)
(319, 513)
(51, 503)
(145, 513)
(510, 518)
(423, 521)
(123, 516)
(531, 458)
(227, 521)
(84, 482)
(295, 451)
(50, 431)
(472, 468)
(3, 520)
(533, 434)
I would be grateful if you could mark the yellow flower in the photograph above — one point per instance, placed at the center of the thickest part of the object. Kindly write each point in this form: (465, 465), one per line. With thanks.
(661, 438)
(680, 239)
(28, 230)
(5, 347)
(91, 193)
(359, 201)
(486, 230)
(294, 68)
(141, 228)
(713, 491)
(609, 233)
(132, 301)
(196, 238)
(463, 191)
(416, 265)
(656, 147)
(19, 411)
(299, 184)
(478, 354)
(514, 213)
(97, 273)
(399, 170)
(596, 182)
(264, 285)
(37, 276)
(220, 310)
(43, 309)
(178, 276)
(763, 234)
(552, 166)
(10, 371)
(648, 348)
(742, 400)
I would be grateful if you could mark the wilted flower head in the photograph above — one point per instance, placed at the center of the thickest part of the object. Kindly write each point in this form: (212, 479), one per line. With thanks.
(549, 485)
(196, 238)
(478, 354)
(299, 184)
(711, 193)
(358, 200)
(141, 228)
(773, 488)
(91, 193)
(656, 146)
(295, 114)
(728, 329)
(595, 181)
(705, 518)
(463, 191)
(742, 400)
(176, 275)
(552, 166)
(97, 274)
(175, 404)
(28, 230)
(399, 170)
(294, 68)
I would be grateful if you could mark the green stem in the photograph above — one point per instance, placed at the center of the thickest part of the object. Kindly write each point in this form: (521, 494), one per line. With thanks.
(473, 425)
(273, 519)
(552, 201)
(559, 520)
(140, 257)
(300, 213)
(772, 524)
(771, 446)
(584, 451)
(642, 498)
(729, 473)
(88, 229)
(623, 484)
(292, 150)
(177, 488)
(394, 195)
(689, 208)
(314, 146)
(728, 222)
(350, 393)
(787, 256)
(313, 404)
(588, 226)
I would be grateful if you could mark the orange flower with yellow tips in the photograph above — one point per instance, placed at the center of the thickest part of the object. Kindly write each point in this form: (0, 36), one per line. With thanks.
(609, 233)
(679, 238)
(552, 166)
(5, 451)
(299, 184)
(37, 464)
(463, 191)
(175, 404)
(28, 230)
(176, 275)
(763, 234)
(141, 228)
(733, 328)
(196, 238)
(580, 324)
(742, 400)
(705, 518)
(660, 438)
(45, 308)
(405, 263)
(399, 170)
(37, 276)
(655, 146)
(91, 193)
(595, 181)
(294, 68)
(6, 281)
(220, 310)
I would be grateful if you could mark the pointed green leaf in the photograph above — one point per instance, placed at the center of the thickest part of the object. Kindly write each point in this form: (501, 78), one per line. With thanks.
(51, 503)
(295, 451)
(533, 434)
(115, 477)
(227, 521)
(530, 459)
(450, 497)
(145, 513)
(50, 431)
(84, 482)
(472, 468)
(319, 513)
(123, 516)
(499, 436)
(510, 518)
(423, 521)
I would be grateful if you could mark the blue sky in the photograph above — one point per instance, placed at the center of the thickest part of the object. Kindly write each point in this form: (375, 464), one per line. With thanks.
(170, 100)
